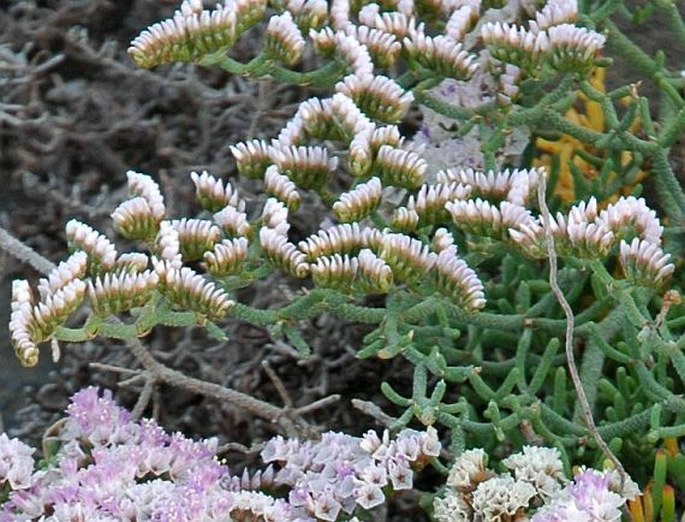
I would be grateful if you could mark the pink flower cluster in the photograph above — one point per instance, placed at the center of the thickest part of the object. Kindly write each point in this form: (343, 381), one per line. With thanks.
(111, 467)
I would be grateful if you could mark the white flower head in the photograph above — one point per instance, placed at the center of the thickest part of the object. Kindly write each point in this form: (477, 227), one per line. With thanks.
(539, 466)
(645, 263)
(501, 498)
(283, 40)
(348, 238)
(281, 187)
(213, 195)
(379, 97)
(226, 257)
(101, 252)
(359, 202)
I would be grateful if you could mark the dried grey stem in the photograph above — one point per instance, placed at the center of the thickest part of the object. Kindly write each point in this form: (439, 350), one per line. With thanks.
(24, 253)
(143, 398)
(278, 383)
(570, 325)
(372, 410)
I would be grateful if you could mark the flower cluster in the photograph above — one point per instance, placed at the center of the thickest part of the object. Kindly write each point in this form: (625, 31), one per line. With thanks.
(111, 467)
(341, 473)
(495, 204)
(535, 478)
(113, 283)
(551, 40)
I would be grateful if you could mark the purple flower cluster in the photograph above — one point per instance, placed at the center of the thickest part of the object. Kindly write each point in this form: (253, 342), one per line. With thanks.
(113, 468)
(340, 473)
(592, 496)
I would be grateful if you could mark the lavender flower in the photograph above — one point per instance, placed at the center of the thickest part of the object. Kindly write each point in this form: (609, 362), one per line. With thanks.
(589, 497)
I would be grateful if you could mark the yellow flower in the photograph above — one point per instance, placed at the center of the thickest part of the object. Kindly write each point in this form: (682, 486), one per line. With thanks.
(564, 151)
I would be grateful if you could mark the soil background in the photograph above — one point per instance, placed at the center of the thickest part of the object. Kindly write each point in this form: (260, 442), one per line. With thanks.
(75, 115)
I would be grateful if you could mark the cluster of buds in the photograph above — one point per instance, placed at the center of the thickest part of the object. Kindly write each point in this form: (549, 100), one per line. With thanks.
(551, 40)
(586, 232)
(113, 283)
(494, 204)
(194, 32)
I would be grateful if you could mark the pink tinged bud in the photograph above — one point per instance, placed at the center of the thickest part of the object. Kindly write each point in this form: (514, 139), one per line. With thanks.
(645, 263)
(398, 24)
(482, 218)
(133, 219)
(73, 268)
(280, 186)
(187, 290)
(456, 280)
(309, 167)
(101, 252)
(323, 40)
(233, 222)
(400, 168)
(354, 54)
(348, 238)
(188, 36)
(212, 195)
(409, 258)
(309, 14)
(337, 271)
(382, 46)
(227, 257)
(359, 202)
(252, 158)
(374, 274)
(283, 41)
(275, 216)
(441, 54)
(361, 154)
(631, 216)
(196, 236)
(116, 293)
(282, 253)
(572, 48)
(21, 323)
(167, 243)
(378, 97)
(132, 262)
(428, 205)
(556, 12)
(461, 21)
(516, 186)
(317, 118)
(293, 133)
(56, 308)
(144, 186)
(349, 119)
(248, 12)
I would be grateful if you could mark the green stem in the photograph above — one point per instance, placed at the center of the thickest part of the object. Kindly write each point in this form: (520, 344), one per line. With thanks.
(262, 65)
(668, 188)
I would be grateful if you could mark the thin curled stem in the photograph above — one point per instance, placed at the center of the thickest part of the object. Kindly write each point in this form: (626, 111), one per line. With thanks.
(586, 411)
